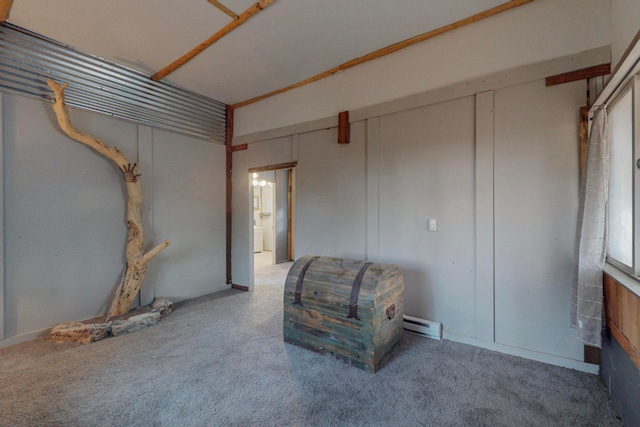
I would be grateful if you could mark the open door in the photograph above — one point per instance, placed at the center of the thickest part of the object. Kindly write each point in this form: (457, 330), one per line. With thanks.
(272, 212)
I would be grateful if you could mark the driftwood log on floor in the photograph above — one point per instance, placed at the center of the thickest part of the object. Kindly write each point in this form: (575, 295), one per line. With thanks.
(98, 328)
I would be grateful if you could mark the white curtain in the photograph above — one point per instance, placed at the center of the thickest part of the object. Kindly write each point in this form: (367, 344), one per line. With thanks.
(591, 237)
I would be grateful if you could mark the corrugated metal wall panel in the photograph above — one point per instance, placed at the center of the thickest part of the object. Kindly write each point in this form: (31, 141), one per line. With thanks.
(28, 59)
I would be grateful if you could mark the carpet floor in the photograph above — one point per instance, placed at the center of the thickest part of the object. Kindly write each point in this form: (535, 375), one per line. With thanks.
(220, 360)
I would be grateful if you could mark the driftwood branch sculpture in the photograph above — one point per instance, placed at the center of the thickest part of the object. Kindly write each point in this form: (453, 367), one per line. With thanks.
(137, 260)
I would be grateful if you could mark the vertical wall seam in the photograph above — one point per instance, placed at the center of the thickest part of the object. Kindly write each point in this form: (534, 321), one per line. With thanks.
(2, 244)
(378, 188)
(144, 148)
(493, 209)
(295, 148)
(372, 189)
(485, 217)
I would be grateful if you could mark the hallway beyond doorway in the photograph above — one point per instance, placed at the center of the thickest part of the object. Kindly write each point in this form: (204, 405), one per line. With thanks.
(266, 273)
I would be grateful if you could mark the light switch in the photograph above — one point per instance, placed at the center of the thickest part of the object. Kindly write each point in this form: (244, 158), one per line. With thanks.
(433, 225)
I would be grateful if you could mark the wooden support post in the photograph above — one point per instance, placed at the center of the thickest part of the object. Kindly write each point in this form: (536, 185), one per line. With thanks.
(224, 8)
(229, 174)
(343, 127)
(211, 40)
(584, 136)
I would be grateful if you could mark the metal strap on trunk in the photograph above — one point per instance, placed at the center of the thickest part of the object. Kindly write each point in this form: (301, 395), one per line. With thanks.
(298, 295)
(355, 291)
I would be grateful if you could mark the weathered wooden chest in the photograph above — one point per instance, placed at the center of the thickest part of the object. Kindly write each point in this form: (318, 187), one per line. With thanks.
(350, 309)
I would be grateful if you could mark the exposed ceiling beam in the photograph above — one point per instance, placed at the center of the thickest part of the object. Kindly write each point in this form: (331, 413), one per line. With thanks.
(260, 5)
(5, 6)
(224, 8)
(584, 73)
(390, 49)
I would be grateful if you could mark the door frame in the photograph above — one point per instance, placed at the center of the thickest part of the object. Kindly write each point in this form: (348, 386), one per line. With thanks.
(291, 208)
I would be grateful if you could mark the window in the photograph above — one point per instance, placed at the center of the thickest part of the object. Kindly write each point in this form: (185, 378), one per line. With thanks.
(622, 213)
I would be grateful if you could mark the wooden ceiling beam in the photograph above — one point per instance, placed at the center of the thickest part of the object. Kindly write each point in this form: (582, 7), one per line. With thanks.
(390, 49)
(5, 6)
(224, 8)
(242, 18)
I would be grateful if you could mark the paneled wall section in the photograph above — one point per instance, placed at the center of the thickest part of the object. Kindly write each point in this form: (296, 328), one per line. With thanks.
(499, 172)
(65, 210)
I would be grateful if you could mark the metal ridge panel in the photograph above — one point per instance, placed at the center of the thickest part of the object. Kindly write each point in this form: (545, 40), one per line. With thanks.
(28, 59)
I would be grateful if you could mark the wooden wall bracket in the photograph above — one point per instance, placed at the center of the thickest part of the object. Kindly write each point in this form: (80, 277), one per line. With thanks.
(582, 74)
(343, 127)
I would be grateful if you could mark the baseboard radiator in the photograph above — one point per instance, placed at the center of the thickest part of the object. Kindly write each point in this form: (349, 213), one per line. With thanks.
(424, 327)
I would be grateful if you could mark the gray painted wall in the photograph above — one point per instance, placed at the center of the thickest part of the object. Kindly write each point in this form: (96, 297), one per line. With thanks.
(330, 207)
(427, 172)
(65, 209)
(498, 170)
(536, 199)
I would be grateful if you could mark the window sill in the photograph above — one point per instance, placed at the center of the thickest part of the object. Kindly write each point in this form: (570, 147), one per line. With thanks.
(629, 282)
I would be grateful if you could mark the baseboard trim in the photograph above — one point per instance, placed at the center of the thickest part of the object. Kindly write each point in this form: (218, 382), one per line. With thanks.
(524, 353)
(239, 287)
(17, 339)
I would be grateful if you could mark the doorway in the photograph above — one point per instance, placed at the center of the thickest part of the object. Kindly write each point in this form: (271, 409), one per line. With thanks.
(272, 212)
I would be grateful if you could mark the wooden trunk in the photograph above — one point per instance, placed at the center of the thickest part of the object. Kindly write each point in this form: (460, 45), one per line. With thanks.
(320, 314)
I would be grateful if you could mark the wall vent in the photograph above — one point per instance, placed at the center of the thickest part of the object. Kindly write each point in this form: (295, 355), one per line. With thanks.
(28, 59)
(424, 327)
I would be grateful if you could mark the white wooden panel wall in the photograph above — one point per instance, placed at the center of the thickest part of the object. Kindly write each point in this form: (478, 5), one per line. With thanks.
(330, 202)
(484, 226)
(536, 199)
(64, 216)
(65, 210)
(188, 190)
(427, 172)
(498, 170)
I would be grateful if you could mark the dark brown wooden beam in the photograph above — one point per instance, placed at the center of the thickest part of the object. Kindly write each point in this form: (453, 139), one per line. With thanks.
(229, 174)
(343, 127)
(584, 73)
(273, 167)
(240, 287)
(591, 355)
(239, 147)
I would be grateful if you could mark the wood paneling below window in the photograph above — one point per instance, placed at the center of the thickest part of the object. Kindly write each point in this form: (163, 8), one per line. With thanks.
(622, 309)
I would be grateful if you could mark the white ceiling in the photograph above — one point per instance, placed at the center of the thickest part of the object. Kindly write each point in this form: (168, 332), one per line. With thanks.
(287, 42)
